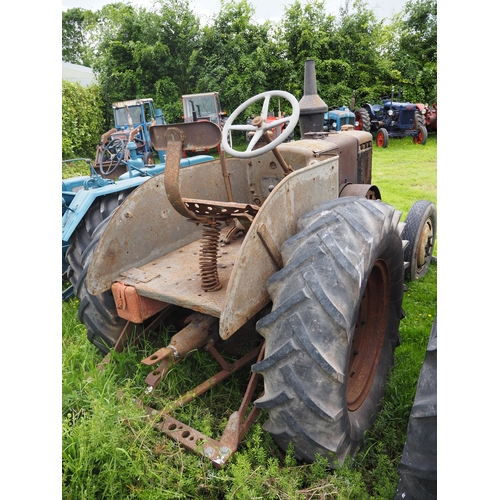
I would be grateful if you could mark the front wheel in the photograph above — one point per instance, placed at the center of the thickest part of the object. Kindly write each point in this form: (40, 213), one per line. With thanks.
(148, 159)
(331, 335)
(421, 137)
(382, 138)
(420, 231)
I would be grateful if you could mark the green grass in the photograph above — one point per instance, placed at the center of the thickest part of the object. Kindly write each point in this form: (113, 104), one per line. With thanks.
(74, 169)
(405, 172)
(110, 451)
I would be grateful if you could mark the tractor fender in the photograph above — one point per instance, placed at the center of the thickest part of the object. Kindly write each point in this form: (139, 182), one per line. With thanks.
(84, 199)
(370, 109)
(259, 256)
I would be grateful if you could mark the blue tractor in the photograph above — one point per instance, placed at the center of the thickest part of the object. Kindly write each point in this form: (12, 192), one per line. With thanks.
(391, 119)
(336, 118)
(132, 120)
(89, 199)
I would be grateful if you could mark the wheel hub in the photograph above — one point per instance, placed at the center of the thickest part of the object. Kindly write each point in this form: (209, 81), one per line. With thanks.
(369, 334)
(425, 244)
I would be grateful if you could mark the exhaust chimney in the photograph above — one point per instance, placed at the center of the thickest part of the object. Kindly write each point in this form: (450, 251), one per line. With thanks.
(312, 107)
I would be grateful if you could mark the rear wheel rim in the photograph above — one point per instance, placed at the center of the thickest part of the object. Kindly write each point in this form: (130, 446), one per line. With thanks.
(369, 334)
(425, 245)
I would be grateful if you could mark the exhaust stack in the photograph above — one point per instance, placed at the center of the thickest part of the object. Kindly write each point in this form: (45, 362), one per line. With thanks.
(312, 107)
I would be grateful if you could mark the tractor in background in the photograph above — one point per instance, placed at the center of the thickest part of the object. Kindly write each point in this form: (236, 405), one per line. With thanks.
(428, 114)
(274, 131)
(132, 120)
(203, 107)
(391, 119)
(335, 118)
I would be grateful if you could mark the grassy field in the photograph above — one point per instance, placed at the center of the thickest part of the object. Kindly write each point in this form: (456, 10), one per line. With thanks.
(110, 451)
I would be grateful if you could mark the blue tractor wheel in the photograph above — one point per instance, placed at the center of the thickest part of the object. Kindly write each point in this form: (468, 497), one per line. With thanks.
(96, 312)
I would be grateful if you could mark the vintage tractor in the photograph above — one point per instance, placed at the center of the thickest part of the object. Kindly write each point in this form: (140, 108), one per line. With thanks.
(336, 118)
(274, 132)
(204, 107)
(289, 244)
(429, 115)
(132, 120)
(391, 120)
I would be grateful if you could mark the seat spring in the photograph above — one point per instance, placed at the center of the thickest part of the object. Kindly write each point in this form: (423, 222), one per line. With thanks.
(208, 257)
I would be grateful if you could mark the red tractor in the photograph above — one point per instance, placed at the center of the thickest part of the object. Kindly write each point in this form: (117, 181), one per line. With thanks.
(204, 107)
(429, 114)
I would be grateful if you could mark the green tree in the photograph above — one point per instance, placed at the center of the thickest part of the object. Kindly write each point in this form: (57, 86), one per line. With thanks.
(307, 32)
(235, 55)
(143, 53)
(359, 63)
(415, 53)
(304, 33)
(76, 27)
(82, 120)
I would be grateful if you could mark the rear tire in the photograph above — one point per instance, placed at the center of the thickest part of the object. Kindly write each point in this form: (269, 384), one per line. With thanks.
(420, 231)
(96, 312)
(331, 335)
(148, 159)
(419, 119)
(363, 119)
(418, 466)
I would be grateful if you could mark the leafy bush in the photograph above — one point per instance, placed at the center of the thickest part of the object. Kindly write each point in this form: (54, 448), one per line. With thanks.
(82, 119)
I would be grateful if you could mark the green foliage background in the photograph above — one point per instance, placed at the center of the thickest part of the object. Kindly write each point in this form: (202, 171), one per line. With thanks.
(167, 51)
(83, 120)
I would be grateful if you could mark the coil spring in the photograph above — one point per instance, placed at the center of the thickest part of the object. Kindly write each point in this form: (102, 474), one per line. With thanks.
(208, 257)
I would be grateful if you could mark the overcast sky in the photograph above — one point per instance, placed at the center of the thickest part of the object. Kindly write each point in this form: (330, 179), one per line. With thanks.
(264, 9)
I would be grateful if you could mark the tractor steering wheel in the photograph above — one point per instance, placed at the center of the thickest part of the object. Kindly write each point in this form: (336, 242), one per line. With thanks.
(111, 156)
(259, 125)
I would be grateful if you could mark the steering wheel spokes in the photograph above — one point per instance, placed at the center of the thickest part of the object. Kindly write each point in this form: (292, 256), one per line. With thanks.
(259, 126)
(111, 156)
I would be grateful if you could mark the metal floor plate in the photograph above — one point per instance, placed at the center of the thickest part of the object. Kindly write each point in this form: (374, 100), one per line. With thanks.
(175, 278)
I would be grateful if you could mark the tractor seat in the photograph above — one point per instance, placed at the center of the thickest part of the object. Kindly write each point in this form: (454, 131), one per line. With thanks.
(189, 136)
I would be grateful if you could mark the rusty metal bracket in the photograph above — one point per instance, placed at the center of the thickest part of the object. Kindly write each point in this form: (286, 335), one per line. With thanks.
(194, 336)
(218, 452)
(126, 336)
